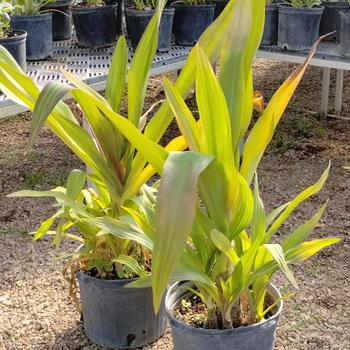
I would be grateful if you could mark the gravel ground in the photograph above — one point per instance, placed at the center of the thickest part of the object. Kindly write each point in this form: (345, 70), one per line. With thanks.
(35, 311)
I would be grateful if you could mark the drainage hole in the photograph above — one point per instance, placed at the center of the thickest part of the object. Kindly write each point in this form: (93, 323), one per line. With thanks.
(130, 338)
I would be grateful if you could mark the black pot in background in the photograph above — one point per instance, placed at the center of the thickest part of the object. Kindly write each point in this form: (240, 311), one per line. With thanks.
(190, 22)
(61, 19)
(138, 21)
(298, 28)
(96, 26)
(259, 336)
(39, 34)
(330, 21)
(271, 26)
(119, 317)
(16, 46)
(219, 7)
(119, 12)
(345, 33)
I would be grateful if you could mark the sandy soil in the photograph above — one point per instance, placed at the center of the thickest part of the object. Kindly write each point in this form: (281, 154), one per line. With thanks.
(35, 311)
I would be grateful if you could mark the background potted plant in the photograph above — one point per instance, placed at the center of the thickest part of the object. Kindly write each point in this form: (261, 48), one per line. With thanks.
(96, 24)
(299, 24)
(30, 17)
(61, 19)
(271, 24)
(138, 18)
(330, 21)
(13, 41)
(191, 18)
(344, 32)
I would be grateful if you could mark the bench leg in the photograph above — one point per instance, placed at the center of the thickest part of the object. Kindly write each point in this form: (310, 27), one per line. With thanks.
(325, 89)
(339, 90)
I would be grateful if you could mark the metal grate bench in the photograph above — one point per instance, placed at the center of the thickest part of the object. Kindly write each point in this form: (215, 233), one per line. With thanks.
(328, 57)
(92, 66)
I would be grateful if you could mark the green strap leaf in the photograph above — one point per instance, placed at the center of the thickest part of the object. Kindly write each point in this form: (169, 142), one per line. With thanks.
(301, 197)
(132, 264)
(117, 75)
(141, 65)
(122, 230)
(224, 245)
(50, 95)
(302, 232)
(183, 115)
(175, 213)
(75, 183)
(278, 254)
(307, 249)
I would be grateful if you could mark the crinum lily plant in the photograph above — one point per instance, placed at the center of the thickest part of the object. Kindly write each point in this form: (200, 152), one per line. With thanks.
(211, 224)
(211, 227)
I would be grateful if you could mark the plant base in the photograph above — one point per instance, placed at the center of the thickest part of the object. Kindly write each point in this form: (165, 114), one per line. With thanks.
(259, 336)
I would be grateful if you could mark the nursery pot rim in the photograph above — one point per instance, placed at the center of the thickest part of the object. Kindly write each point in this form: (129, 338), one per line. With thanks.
(285, 8)
(345, 12)
(92, 8)
(136, 12)
(32, 17)
(335, 4)
(57, 3)
(22, 34)
(116, 282)
(179, 4)
(271, 290)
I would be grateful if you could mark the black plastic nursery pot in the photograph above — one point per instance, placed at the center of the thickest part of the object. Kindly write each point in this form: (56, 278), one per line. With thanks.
(138, 21)
(119, 12)
(61, 19)
(259, 336)
(117, 317)
(330, 20)
(219, 7)
(96, 26)
(345, 33)
(15, 44)
(190, 22)
(271, 26)
(39, 34)
(298, 28)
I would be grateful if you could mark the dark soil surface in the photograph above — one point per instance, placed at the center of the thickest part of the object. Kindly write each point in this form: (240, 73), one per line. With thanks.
(35, 310)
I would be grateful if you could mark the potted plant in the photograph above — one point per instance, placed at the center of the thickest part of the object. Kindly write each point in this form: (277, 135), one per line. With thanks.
(61, 19)
(13, 41)
(191, 18)
(299, 24)
(271, 24)
(330, 21)
(38, 26)
(344, 32)
(111, 219)
(138, 18)
(96, 24)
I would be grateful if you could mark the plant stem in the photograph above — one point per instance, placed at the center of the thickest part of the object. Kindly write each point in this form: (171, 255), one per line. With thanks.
(212, 318)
